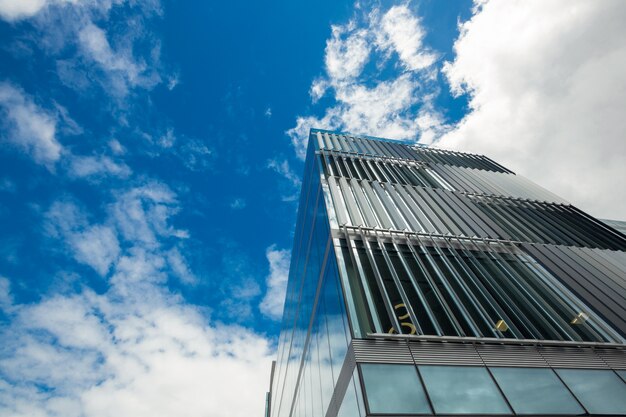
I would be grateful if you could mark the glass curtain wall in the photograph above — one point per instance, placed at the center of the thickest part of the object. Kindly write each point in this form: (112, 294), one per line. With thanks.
(315, 334)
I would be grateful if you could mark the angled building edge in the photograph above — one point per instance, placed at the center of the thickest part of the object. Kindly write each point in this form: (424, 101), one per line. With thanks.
(431, 282)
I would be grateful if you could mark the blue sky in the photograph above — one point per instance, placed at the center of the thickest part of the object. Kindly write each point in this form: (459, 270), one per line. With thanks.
(151, 153)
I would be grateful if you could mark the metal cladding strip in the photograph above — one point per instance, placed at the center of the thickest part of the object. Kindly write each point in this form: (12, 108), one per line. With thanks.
(577, 283)
(404, 210)
(341, 385)
(343, 143)
(614, 260)
(356, 261)
(390, 207)
(426, 201)
(336, 146)
(617, 237)
(355, 216)
(394, 149)
(447, 173)
(608, 288)
(411, 154)
(320, 141)
(511, 355)
(337, 201)
(403, 296)
(366, 210)
(475, 211)
(571, 357)
(380, 150)
(426, 353)
(381, 287)
(495, 287)
(453, 283)
(367, 145)
(616, 359)
(381, 214)
(381, 351)
(329, 144)
(463, 209)
(590, 267)
(425, 224)
(422, 298)
(482, 283)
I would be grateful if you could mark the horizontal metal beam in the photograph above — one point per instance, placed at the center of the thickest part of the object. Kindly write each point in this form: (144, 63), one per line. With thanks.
(493, 340)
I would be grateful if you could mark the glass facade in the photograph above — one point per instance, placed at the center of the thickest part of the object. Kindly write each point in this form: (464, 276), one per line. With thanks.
(433, 282)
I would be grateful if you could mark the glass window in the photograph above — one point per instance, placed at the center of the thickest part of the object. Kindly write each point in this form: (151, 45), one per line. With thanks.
(622, 374)
(393, 389)
(600, 391)
(535, 391)
(463, 390)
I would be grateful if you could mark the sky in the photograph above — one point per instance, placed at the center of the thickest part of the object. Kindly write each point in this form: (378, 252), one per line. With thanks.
(151, 155)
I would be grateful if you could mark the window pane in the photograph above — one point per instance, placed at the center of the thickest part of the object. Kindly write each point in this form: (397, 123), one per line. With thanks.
(462, 390)
(535, 391)
(394, 389)
(622, 374)
(600, 391)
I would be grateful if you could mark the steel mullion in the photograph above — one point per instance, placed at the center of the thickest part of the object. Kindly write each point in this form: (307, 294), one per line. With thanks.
(470, 275)
(433, 286)
(381, 286)
(468, 317)
(519, 314)
(485, 292)
(356, 260)
(442, 279)
(415, 285)
(396, 280)
(530, 300)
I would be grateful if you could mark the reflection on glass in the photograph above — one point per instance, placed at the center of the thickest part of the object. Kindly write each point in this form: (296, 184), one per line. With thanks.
(622, 374)
(535, 391)
(600, 391)
(462, 390)
(350, 406)
(393, 389)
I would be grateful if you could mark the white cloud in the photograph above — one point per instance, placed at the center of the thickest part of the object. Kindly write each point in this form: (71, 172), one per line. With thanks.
(547, 93)
(28, 126)
(284, 169)
(108, 355)
(14, 10)
(272, 303)
(238, 204)
(180, 267)
(124, 71)
(137, 349)
(346, 57)
(400, 30)
(94, 245)
(395, 107)
(97, 166)
(6, 299)
(141, 214)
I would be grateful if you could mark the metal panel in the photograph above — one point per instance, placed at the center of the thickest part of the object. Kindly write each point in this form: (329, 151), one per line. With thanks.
(615, 358)
(337, 201)
(571, 357)
(510, 355)
(355, 215)
(342, 383)
(425, 353)
(381, 351)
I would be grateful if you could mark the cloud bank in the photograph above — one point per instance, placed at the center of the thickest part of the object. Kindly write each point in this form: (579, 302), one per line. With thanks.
(364, 101)
(547, 88)
(137, 348)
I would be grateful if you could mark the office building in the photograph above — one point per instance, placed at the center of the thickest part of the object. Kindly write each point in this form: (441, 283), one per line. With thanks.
(432, 282)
